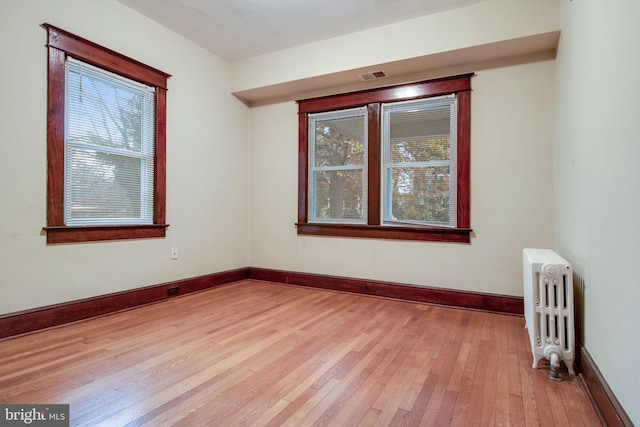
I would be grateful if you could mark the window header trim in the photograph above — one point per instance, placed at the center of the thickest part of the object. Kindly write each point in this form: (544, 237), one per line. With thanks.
(102, 57)
(404, 92)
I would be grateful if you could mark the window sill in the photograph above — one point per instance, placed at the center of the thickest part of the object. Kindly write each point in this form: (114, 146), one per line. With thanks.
(92, 233)
(454, 235)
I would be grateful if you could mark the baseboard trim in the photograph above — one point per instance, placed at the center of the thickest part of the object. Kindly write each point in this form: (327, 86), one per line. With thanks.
(487, 302)
(23, 322)
(32, 320)
(611, 413)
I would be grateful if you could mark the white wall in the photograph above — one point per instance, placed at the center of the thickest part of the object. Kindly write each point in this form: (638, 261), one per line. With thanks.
(207, 136)
(598, 186)
(512, 195)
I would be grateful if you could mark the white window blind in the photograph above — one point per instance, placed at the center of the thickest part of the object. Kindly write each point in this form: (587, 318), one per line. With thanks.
(338, 166)
(109, 148)
(420, 162)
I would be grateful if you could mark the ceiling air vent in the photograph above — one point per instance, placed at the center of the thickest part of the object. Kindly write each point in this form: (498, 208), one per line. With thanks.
(373, 75)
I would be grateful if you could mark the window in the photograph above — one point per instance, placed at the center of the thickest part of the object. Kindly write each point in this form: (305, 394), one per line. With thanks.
(105, 143)
(338, 166)
(390, 163)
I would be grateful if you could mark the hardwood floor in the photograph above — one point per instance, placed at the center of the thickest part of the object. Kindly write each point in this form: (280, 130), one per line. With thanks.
(263, 354)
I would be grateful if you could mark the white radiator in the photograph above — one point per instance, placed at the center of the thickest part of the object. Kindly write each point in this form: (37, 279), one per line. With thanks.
(548, 308)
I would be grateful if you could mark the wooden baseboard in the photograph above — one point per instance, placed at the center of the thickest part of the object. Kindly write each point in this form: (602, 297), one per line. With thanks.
(18, 323)
(479, 301)
(612, 414)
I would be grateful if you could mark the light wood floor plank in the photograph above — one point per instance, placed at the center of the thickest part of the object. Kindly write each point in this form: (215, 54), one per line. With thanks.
(263, 354)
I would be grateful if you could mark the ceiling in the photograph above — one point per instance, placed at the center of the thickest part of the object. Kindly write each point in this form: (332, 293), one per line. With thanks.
(239, 29)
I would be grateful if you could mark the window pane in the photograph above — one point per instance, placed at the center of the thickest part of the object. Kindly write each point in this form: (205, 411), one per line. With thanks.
(419, 194)
(419, 131)
(105, 109)
(339, 142)
(416, 149)
(104, 185)
(338, 195)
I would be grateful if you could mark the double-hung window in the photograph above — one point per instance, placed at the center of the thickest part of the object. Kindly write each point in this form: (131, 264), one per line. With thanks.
(419, 175)
(106, 144)
(387, 163)
(109, 148)
(338, 166)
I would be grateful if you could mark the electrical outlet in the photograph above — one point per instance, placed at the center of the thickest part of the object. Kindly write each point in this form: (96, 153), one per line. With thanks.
(174, 253)
(173, 291)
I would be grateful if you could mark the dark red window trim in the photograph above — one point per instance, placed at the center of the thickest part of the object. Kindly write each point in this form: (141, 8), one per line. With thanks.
(372, 99)
(60, 45)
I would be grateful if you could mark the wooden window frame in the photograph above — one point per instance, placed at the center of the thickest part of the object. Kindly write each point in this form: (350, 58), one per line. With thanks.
(60, 45)
(372, 99)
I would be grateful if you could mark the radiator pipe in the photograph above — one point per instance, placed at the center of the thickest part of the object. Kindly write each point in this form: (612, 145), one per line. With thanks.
(555, 366)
